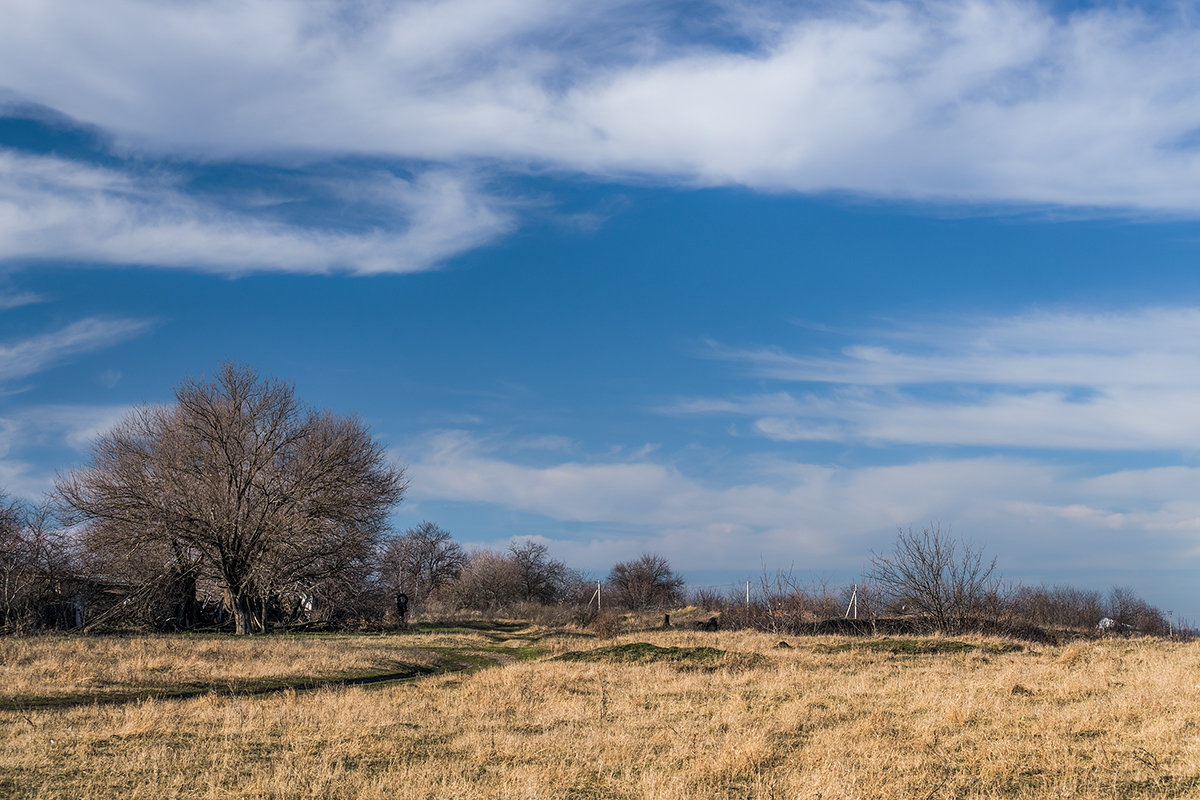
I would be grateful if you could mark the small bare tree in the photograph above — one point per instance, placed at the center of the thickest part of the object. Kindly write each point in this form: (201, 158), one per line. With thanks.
(932, 575)
(490, 582)
(645, 583)
(1132, 613)
(241, 480)
(542, 579)
(422, 560)
(36, 558)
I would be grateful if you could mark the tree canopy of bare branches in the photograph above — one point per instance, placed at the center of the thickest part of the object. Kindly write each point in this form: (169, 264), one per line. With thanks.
(35, 557)
(239, 479)
(645, 583)
(932, 575)
(542, 579)
(422, 560)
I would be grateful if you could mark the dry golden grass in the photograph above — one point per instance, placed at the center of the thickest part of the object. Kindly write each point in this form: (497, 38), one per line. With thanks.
(829, 718)
(73, 668)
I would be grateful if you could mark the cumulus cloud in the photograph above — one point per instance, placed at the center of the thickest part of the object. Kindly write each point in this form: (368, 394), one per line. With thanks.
(1032, 514)
(1116, 381)
(984, 100)
(62, 209)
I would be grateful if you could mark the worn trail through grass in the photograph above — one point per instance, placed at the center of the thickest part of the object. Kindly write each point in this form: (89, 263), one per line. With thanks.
(433, 650)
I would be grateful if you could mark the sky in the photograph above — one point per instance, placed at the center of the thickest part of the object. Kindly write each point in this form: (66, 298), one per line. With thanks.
(750, 284)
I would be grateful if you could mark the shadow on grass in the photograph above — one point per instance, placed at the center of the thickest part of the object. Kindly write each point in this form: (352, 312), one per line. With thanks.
(405, 672)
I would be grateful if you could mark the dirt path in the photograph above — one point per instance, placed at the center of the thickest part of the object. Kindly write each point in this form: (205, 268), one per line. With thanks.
(446, 660)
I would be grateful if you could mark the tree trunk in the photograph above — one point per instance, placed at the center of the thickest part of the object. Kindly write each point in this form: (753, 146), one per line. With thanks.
(186, 608)
(243, 615)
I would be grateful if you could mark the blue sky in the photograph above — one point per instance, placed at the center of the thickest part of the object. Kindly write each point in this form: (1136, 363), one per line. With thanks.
(742, 283)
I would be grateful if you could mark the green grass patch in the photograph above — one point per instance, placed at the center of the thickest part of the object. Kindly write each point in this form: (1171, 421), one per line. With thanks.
(504, 628)
(682, 657)
(903, 646)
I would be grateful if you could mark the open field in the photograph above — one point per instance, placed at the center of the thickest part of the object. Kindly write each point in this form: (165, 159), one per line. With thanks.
(826, 717)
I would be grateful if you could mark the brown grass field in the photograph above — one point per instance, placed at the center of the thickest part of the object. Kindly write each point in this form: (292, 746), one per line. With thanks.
(825, 718)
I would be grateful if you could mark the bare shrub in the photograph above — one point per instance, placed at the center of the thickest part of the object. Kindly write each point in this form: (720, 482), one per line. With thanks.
(709, 599)
(933, 576)
(1057, 606)
(606, 625)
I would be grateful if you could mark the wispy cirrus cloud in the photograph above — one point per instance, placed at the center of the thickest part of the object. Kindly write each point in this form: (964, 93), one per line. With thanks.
(983, 100)
(26, 428)
(11, 300)
(1104, 381)
(22, 430)
(55, 208)
(24, 357)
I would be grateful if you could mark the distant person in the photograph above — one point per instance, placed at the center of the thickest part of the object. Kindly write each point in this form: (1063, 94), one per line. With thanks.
(402, 607)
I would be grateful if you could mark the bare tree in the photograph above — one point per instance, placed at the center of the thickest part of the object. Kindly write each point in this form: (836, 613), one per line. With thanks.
(930, 574)
(1059, 606)
(238, 478)
(36, 558)
(422, 560)
(542, 578)
(490, 582)
(645, 583)
(1131, 613)
(15, 563)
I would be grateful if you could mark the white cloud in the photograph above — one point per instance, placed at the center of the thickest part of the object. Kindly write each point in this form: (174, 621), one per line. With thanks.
(17, 299)
(73, 426)
(77, 426)
(33, 354)
(1031, 515)
(1117, 381)
(985, 100)
(23, 430)
(55, 208)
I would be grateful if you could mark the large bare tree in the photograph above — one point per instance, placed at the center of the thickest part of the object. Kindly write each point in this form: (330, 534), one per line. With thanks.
(239, 479)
